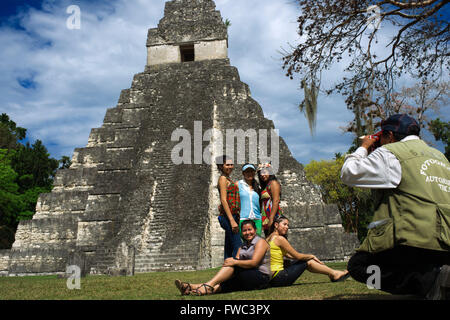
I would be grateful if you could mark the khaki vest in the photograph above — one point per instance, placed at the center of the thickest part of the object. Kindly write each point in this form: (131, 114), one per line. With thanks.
(417, 212)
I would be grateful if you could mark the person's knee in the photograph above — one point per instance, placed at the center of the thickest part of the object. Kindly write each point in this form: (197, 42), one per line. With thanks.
(352, 264)
(357, 267)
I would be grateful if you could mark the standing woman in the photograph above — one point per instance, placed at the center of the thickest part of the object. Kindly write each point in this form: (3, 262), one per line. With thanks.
(249, 195)
(229, 208)
(270, 197)
(280, 247)
(249, 270)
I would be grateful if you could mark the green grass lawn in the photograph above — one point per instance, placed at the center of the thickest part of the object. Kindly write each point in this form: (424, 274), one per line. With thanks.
(160, 286)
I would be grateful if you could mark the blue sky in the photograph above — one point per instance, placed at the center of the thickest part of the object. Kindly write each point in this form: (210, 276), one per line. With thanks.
(58, 82)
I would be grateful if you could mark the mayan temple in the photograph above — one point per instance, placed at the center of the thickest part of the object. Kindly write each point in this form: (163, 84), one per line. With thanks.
(124, 206)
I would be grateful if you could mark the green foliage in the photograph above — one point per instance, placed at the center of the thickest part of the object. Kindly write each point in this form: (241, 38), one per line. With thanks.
(64, 162)
(29, 199)
(14, 204)
(10, 203)
(34, 166)
(10, 134)
(6, 237)
(441, 131)
(26, 171)
(354, 204)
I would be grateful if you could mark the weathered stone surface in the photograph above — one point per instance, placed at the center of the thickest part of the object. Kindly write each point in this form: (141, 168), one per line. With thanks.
(4, 262)
(125, 206)
(187, 21)
(42, 260)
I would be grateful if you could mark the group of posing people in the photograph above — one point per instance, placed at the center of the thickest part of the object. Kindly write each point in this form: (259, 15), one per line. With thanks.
(408, 239)
(251, 262)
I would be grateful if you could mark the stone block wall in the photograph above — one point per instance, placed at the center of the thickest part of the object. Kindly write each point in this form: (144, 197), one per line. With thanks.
(4, 262)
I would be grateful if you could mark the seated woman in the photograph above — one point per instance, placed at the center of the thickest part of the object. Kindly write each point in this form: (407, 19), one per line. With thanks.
(280, 247)
(250, 270)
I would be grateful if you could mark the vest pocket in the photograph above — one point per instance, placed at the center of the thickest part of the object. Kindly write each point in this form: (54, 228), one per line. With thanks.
(443, 223)
(381, 237)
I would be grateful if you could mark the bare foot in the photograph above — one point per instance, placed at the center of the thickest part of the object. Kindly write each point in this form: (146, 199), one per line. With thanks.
(339, 275)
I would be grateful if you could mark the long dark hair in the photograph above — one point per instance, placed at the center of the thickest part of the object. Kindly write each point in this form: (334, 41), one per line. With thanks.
(220, 161)
(264, 183)
(277, 220)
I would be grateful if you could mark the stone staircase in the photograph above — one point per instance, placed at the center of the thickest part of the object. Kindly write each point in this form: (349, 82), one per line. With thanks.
(152, 256)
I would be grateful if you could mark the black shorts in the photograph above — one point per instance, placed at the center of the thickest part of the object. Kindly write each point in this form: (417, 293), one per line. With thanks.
(287, 276)
(245, 279)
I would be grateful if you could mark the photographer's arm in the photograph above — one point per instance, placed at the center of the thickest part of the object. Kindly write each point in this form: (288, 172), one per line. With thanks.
(379, 170)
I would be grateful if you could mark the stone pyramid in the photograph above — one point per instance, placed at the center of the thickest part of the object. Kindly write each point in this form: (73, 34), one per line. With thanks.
(125, 206)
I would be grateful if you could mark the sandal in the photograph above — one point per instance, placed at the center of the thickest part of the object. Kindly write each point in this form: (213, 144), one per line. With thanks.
(208, 290)
(184, 287)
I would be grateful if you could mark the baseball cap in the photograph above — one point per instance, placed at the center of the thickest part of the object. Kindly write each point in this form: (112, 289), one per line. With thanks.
(248, 166)
(400, 123)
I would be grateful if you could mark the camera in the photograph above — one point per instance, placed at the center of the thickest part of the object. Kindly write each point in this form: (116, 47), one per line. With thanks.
(376, 137)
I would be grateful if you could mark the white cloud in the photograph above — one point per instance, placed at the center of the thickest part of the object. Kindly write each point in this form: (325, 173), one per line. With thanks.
(78, 74)
(75, 75)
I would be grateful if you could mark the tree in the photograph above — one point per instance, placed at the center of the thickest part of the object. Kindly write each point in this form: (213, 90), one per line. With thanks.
(6, 237)
(422, 101)
(10, 134)
(65, 162)
(10, 202)
(14, 205)
(26, 171)
(441, 131)
(355, 205)
(333, 29)
(34, 166)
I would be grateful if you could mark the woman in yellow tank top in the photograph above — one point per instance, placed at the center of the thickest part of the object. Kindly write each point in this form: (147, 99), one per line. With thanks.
(280, 248)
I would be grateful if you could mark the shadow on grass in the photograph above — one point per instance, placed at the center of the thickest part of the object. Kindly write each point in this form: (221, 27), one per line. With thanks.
(306, 284)
(370, 296)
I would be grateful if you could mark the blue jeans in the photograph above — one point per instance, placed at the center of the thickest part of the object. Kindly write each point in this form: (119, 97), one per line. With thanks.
(232, 240)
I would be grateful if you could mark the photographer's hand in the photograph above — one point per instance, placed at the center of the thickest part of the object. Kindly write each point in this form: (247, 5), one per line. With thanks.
(368, 143)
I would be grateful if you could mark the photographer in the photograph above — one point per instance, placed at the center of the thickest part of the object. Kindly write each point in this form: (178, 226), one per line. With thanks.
(409, 238)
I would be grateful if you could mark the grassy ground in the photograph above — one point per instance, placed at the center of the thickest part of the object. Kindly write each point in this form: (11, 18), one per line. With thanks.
(160, 286)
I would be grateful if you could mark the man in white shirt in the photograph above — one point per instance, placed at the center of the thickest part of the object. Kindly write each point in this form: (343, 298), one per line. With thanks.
(411, 256)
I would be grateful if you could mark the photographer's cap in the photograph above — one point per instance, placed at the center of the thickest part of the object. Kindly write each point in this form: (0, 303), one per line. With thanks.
(400, 123)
